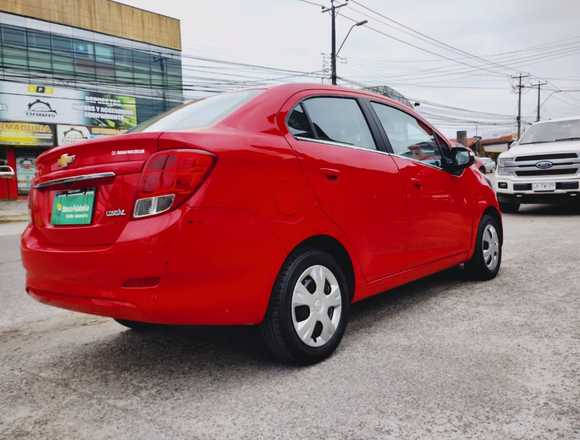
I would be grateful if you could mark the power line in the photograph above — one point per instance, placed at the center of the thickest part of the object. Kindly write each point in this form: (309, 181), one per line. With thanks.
(427, 38)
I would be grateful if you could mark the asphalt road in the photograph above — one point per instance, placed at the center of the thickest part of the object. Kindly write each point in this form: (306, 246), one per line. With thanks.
(442, 358)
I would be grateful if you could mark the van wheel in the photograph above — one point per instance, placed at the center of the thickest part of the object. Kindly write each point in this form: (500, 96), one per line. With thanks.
(486, 260)
(308, 309)
(139, 326)
(509, 207)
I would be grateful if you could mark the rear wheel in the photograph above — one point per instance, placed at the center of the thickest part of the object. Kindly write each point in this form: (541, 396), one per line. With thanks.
(308, 308)
(509, 207)
(139, 326)
(486, 260)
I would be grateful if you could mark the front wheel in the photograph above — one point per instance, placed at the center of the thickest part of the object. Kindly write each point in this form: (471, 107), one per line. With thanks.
(308, 308)
(486, 260)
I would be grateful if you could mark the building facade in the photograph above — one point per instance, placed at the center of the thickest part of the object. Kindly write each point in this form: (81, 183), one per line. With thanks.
(73, 73)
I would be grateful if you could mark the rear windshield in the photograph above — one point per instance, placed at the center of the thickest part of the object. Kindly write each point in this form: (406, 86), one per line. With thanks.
(198, 114)
(552, 132)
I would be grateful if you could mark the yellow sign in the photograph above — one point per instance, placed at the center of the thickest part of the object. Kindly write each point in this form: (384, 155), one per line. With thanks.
(25, 134)
(40, 89)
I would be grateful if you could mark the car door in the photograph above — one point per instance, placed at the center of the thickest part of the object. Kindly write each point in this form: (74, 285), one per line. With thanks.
(357, 185)
(439, 223)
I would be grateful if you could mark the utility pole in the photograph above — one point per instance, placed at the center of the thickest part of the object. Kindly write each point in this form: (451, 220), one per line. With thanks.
(332, 10)
(520, 86)
(539, 85)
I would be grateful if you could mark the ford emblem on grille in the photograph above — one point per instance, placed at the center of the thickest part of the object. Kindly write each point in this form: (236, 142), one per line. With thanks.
(544, 164)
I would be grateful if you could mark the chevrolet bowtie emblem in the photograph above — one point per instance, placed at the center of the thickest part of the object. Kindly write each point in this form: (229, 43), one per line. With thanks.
(65, 160)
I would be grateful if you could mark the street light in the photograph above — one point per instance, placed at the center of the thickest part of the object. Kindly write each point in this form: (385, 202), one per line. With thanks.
(360, 23)
(333, 52)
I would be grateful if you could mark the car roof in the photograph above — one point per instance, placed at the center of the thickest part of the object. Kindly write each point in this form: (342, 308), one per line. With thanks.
(291, 88)
(568, 118)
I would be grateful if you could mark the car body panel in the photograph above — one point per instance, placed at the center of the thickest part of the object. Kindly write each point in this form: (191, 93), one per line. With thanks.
(215, 258)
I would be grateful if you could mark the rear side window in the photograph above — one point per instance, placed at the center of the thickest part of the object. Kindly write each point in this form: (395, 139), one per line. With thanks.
(407, 136)
(199, 114)
(339, 120)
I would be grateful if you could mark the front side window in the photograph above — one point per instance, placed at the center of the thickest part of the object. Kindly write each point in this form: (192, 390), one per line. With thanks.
(199, 114)
(339, 120)
(407, 136)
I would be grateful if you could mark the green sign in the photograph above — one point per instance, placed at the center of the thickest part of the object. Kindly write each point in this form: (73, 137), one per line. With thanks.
(73, 208)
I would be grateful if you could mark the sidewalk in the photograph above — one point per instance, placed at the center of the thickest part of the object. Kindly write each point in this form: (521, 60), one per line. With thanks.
(13, 211)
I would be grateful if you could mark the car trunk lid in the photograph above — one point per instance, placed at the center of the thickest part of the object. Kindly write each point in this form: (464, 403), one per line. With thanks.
(100, 174)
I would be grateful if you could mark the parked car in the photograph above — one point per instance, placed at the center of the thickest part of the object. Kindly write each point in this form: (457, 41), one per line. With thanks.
(276, 207)
(487, 165)
(6, 171)
(543, 167)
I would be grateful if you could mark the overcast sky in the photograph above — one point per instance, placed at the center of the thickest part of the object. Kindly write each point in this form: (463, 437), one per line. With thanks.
(292, 34)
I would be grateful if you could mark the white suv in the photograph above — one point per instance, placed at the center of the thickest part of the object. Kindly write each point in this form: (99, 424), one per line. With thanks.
(543, 167)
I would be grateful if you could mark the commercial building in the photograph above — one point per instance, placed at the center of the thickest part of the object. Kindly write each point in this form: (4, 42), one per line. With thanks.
(73, 70)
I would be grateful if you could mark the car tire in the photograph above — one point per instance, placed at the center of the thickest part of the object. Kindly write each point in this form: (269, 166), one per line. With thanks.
(509, 207)
(139, 326)
(308, 310)
(486, 260)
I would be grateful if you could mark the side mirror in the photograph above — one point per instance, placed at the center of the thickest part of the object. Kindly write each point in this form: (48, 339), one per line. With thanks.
(460, 159)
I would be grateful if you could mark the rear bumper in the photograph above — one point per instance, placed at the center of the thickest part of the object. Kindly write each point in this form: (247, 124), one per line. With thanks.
(197, 283)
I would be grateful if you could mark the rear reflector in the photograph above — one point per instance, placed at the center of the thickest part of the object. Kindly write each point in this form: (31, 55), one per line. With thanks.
(169, 178)
(153, 205)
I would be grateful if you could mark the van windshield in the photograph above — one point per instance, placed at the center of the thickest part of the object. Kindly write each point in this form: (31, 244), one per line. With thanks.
(198, 114)
(552, 132)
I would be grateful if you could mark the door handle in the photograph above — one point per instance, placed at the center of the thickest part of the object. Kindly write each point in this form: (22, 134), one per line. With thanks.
(330, 173)
(417, 184)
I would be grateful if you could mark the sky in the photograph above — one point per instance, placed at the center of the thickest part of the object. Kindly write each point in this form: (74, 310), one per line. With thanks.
(536, 37)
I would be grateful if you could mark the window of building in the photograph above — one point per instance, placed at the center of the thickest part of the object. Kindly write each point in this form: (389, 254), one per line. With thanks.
(83, 49)
(63, 64)
(39, 61)
(123, 65)
(39, 41)
(14, 58)
(142, 67)
(63, 45)
(13, 37)
(104, 54)
(339, 120)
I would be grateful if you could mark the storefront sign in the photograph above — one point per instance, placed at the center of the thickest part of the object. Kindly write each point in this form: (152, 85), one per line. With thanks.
(25, 134)
(99, 132)
(72, 134)
(58, 105)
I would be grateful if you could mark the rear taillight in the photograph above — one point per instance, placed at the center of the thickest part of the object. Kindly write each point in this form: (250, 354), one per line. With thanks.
(169, 178)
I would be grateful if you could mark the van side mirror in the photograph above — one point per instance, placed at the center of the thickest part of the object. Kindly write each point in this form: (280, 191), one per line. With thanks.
(460, 158)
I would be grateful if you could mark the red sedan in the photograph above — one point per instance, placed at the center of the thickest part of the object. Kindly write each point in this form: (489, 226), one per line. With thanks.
(276, 207)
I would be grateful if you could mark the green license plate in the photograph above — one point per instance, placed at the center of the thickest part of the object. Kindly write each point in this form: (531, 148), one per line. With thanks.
(73, 208)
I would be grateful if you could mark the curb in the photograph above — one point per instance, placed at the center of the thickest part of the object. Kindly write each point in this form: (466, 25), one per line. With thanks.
(14, 218)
